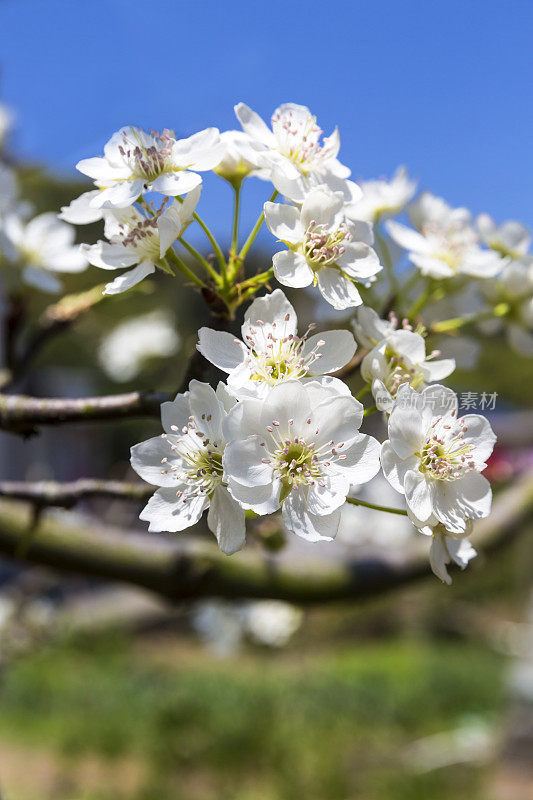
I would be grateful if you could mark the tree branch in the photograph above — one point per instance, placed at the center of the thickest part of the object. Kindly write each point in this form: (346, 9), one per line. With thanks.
(20, 414)
(181, 568)
(66, 495)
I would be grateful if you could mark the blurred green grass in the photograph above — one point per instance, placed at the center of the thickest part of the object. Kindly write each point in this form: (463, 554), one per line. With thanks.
(325, 725)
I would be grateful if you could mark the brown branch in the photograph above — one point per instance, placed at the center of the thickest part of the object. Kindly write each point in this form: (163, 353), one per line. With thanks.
(21, 414)
(180, 568)
(66, 495)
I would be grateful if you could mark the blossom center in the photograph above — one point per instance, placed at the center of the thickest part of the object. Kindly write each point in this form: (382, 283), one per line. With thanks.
(273, 358)
(399, 371)
(323, 246)
(298, 139)
(147, 162)
(445, 455)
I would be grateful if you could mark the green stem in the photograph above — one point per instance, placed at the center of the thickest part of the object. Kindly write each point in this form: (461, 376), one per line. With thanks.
(446, 325)
(370, 410)
(363, 503)
(185, 269)
(387, 259)
(216, 247)
(199, 257)
(236, 210)
(363, 391)
(255, 230)
(258, 280)
(420, 302)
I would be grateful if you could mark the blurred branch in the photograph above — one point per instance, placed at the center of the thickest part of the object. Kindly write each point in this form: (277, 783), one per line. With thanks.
(180, 568)
(66, 495)
(54, 320)
(20, 414)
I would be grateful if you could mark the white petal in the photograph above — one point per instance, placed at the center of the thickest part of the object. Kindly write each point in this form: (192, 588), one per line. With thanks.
(243, 420)
(243, 461)
(253, 125)
(338, 419)
(438, 370)
(287, 400)
(80, 212)
(264, 312)
(119, 196)
(129, 279)
(418, 494)
(284, 222)
(396, 468)
(480, 436)
(221, 348)
(338, 290)
(227, 521)
(324, 500)
(406, 237)
(176, 183)
(207, 410)
(147, 461)
(406, 431)
(300, 521)
(109, 256)
(175, 414)
(361, 460)
(291, 269)
(166, 512)
(337, 349)
(439, 557)
(320, 206)
(260, 499)
(42, 280)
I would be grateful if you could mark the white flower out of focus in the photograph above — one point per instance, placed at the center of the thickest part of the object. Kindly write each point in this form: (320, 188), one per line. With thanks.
(187, 463)
(272, 351)
(126, 349)
(295, 155)
(435, 458)
(325, 248)
(135, 161)
(44, 246)
(382, 198)
(401, 358)
(445, 243)
(299, 449)
(136, 239)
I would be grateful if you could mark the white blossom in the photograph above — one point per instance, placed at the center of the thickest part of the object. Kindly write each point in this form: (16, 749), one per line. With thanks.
(511, 239)
(186, 462)
(446, 546)
(295, 155)
(325, 248)
(135, 161)
(300, 448)
(435, 459)
(240, 158)
(80, 211)
(445, 243)
(272, 622)
(124, 351)
(272, 351)
(137, 239)
(7, 120)
(513, 286)
(44, 246)
(383, 198)
(370, 329)
(401, 358)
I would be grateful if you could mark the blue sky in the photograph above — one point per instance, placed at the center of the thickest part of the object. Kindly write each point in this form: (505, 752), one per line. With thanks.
(443, 87)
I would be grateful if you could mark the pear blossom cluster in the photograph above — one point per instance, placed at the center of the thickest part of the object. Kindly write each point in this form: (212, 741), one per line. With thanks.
(282, 431)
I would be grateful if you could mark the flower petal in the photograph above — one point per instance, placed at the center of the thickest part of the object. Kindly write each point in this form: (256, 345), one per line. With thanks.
(311, 527)
(243, 461)
(166, 512)
(338, 290)
(284, 222)
(337, 348)
(418, 494)
(291, 269)
(227, 521)
(221, 348)
(130, 278)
